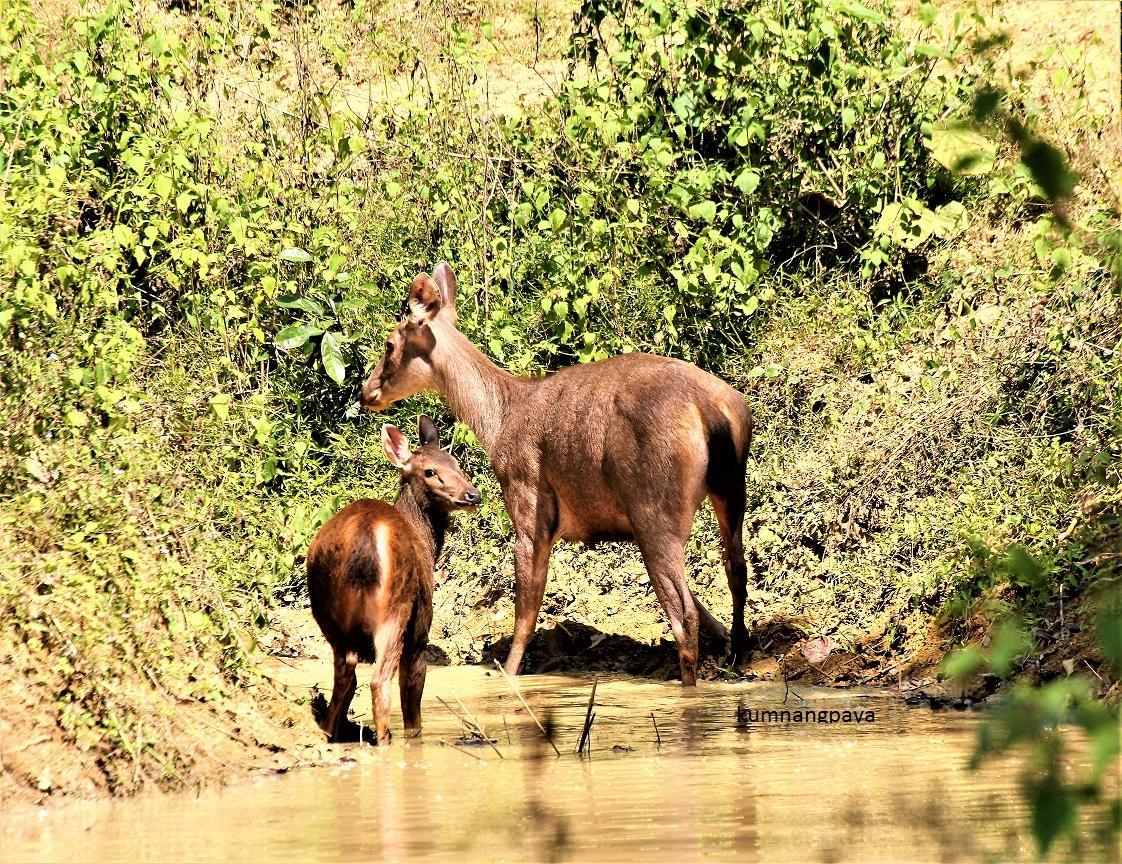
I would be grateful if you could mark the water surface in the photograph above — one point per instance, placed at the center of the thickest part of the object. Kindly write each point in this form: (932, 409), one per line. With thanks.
(893, 787)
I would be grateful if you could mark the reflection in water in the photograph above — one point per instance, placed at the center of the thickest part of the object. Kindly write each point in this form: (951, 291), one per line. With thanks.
(893, 789)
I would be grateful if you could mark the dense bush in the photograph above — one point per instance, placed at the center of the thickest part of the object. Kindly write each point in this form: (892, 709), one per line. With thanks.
(707, 154)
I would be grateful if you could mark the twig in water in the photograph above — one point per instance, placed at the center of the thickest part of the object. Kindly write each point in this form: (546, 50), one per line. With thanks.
(588, 733)
(470, 725)
(786, 684)
(514, 687)
(588, 718)
(444, 743)
(658, 738)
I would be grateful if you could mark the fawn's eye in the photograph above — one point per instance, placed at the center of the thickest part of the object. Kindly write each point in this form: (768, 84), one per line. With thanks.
(389, 347)
(429, 472)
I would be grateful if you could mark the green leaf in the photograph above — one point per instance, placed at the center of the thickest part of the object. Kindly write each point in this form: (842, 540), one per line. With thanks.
(986, 102)
(304, 304)
(332, 357)
(76, 418)
(962, 663)
(856, 10)
(295, 335)
(706, 210)
(295, 255)
(1053, 810)
(925, 50)
(1027, 571)
(1108, 626)
(961, 149)
(927, 14)
(1048, 167)
(220, 405)
(747, 181)
(1008, 643)
(1105, 746)
(162, 185)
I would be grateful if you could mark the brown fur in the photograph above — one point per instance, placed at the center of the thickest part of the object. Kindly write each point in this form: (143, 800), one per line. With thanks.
(626, 448)
(370, 580)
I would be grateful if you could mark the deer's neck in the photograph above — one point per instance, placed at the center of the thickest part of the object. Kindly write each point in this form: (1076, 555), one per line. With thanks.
(476, 390)
(428, 522)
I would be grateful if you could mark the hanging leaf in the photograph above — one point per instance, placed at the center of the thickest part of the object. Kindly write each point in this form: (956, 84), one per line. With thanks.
(747, 181)
(220, 405)
(961, 149)
(304, 304)
(706, 210)
(295, 255)
(332, 356)
(295, 335)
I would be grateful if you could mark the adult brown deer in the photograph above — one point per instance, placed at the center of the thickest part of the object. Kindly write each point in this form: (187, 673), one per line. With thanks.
(370, 579)
(623, 448)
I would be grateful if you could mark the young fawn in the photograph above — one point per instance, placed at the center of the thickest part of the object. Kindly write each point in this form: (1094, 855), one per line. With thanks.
(370, 572)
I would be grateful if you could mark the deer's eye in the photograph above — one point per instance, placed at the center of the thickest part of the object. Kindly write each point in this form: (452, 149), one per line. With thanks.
(389, 347)
(429, 472)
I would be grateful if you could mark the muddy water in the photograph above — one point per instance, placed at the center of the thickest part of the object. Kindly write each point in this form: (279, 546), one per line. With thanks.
(893, 787)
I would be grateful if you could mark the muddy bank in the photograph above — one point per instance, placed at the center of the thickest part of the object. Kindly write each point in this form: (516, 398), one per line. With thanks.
(268, 726)
(781, 649)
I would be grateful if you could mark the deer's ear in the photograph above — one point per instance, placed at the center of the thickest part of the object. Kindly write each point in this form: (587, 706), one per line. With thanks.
(396, 446)
(445, 280)
(426, 429)
(424, 299)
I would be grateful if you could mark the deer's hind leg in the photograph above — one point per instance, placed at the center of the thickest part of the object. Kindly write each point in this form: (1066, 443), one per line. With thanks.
(665, 558)
(342, 692)
(388, 647)
(730, 519)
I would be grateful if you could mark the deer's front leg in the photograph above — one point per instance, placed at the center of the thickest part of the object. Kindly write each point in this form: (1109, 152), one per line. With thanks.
(535, 526)
(531, 564)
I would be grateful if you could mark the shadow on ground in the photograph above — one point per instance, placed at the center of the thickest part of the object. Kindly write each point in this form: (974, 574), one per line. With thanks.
(570, 646)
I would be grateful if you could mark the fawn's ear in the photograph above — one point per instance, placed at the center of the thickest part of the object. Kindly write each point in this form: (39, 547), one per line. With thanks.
(426, 430)
(424, 299)
(445, 280)
(396, 446)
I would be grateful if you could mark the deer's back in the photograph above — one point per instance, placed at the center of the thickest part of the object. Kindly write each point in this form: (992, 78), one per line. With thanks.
(634, 425)
(365, 565)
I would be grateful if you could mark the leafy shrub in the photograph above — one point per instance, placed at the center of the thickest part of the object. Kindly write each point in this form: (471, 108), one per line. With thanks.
(705, 152)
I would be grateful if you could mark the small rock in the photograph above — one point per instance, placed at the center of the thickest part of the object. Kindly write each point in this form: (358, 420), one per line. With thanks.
(817, 650)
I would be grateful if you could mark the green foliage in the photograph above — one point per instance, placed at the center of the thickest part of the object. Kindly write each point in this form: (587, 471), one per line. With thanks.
(708, 152)
(1034, 718)
(141, 393)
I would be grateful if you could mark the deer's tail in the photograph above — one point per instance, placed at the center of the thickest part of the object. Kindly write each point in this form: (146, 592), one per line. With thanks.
(730, 433)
